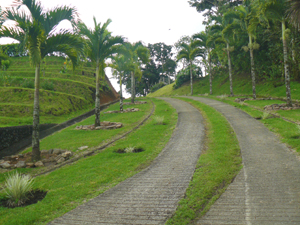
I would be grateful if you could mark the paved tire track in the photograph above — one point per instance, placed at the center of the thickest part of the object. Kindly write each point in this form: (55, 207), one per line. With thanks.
(151, 196)
(267, 190)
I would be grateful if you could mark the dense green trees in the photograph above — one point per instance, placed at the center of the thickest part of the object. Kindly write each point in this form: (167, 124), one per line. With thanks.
(268, 26)
(36, 30)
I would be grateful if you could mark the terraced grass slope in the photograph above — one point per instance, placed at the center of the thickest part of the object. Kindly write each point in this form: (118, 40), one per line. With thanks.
(64, 93)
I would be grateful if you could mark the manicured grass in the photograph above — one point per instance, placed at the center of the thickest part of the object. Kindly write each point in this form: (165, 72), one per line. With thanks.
(72, 185)
(218, 164)
(262, 103)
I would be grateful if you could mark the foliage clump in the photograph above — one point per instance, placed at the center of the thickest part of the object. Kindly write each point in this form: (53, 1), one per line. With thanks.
(157, 86)
(17, 188)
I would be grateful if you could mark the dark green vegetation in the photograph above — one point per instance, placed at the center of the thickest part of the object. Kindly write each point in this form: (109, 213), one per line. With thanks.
(107, 166)
(218, 164)
(64, 94)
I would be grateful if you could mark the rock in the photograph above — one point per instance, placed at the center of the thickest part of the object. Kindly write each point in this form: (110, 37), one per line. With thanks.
(44, 151)
(62, 159)
(2, 161)
(67, 154)
(105, 123)
(21, 156)
(39, 164)
(50, 151)
(56, 151)
(20, 164)
(5, 165)
(30, 165)
(83, 147)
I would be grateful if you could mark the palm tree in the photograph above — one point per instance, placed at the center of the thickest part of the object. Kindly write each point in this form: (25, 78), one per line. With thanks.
(190, 52)
(205, 41)
(37, 30)
(100, 45)
(138, 54)
(294, 11)
(120, 66)
(276, 11)
(245, 17)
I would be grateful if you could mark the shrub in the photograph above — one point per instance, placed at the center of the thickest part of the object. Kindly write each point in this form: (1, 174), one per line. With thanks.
(48, 85)
(5, 64)
(265, 115)
(159, 120)
(180, 80)
(27, 83)
(17, 188)
(157, 86)
(129, 149)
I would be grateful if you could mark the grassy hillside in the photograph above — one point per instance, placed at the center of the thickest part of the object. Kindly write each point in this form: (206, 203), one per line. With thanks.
(242, 85)
(64, 93)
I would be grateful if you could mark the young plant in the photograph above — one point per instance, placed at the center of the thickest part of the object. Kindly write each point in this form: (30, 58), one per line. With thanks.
(159, 120)
(223, 97)
(129, 149)
(265, 115)
(17, 188)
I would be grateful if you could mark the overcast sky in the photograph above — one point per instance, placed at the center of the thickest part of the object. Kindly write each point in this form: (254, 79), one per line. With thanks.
(150, 21)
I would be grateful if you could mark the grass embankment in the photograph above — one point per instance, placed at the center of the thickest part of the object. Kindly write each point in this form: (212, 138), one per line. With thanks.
(218, 164)
(241, 86)
(74, 184)
(288, 132)
(62, 94)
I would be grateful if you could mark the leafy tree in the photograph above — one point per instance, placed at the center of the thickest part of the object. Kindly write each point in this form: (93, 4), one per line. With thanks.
(190, 52)
(294, 11)
(100, 45)
(36, 29)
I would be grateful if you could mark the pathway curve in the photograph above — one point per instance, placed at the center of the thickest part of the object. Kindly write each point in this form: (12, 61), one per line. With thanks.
(151, 196)
(267, 190)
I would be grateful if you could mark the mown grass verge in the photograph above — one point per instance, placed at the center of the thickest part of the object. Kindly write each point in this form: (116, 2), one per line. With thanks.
(74, 184)
(218, 165)
(288, 132)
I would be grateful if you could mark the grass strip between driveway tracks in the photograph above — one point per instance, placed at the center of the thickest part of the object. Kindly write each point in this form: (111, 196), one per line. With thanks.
(219, 163)
(76, 183)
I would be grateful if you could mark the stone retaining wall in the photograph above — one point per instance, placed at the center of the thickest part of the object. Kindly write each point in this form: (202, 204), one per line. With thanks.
(15, 139)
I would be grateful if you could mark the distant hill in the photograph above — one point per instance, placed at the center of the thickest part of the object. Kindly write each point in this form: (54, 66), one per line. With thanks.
(62, 91)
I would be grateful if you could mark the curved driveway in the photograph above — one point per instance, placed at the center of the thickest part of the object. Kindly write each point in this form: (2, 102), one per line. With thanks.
(267, 190)
(151, 196)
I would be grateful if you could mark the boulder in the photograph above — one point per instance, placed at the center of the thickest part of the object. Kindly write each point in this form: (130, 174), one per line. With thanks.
(20, 164)
(60, 160)
(30, 165)
(50, 151)
(67, 154)
(5, 165)
(83, 147)
(44, 152)
(39, 164)
(57, 151)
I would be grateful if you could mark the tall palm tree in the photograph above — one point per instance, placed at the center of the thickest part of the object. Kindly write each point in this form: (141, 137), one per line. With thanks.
(120, 66)
(276, 11)
(294, 11)
(36, 28)
(245, 17)
(138, 55)
(190, 52)
(205, 41)
(100, 45)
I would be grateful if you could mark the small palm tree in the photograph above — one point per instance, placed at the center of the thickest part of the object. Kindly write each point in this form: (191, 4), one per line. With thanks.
(36, 29)
(190, 52)
(120, 67)
(138, 54)
(100, 45)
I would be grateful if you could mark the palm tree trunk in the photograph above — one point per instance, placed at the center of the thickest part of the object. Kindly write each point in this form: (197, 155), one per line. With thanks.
(210, 75)
(121, 94)
(230, 70)
(286, 67)
(191, 78)
(36, 154)
(97, 99)
(252, 67)
(132, 87)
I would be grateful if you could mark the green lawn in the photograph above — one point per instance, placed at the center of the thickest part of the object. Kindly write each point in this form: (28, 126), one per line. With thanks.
(74, 184)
